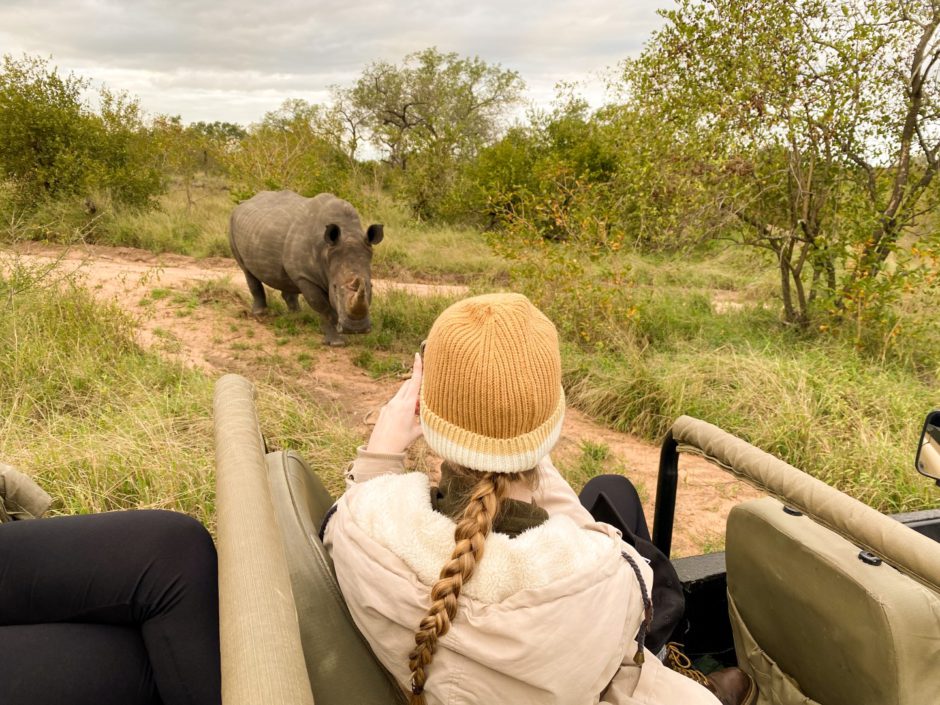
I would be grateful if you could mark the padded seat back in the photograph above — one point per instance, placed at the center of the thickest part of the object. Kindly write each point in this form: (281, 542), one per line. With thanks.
(341, 666)
(813, 623)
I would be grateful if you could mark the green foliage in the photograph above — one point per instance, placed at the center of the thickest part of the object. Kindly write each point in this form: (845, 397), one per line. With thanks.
(52, 144)
(188, 151)
(101, 424)
(190, 220)
(842, 419)
(698, 336)
(429, 115)
(413, 251)
(811, 130)
(400, 321)
(227, 133)
(378, 365)
(578, 281)
(590, 463)
(297, 147)
(613, 172)
(545, 172)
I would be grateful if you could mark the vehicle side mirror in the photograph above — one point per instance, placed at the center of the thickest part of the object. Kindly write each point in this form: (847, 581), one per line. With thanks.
(928, 451)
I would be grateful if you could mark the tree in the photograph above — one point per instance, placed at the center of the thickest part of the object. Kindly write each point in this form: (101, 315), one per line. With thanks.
(219, 139)
(44, 128)
(351, 120)
(812, 125)
(298, 146)
(542, 172)
(432, 113)
(227, 133)
(185, 151)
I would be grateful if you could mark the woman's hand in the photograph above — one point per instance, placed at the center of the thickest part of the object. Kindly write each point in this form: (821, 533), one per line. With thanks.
(398, 425)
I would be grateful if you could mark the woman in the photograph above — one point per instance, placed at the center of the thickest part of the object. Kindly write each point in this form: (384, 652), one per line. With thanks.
(497, 586)
(120, 607)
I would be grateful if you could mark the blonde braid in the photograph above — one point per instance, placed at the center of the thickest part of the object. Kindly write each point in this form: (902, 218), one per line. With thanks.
(471, 532)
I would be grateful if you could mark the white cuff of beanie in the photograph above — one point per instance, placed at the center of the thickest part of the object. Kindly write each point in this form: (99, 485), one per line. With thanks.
(368, 465)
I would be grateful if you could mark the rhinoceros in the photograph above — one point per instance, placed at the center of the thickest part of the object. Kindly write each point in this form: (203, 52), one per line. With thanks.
(311, 246)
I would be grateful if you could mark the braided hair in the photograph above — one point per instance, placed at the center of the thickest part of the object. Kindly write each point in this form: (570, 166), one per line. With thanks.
(474, 525)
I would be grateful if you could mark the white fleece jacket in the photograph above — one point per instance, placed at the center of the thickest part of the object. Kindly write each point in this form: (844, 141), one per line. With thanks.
(549, 618)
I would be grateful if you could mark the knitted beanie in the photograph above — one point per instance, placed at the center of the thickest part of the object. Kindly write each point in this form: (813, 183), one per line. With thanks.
(491, 399)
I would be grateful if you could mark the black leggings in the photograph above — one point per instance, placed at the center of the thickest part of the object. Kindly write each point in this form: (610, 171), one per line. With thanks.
(109, 608)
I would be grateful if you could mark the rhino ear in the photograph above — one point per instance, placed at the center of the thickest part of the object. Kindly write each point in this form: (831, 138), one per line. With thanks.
(331, 234)
(375, 233)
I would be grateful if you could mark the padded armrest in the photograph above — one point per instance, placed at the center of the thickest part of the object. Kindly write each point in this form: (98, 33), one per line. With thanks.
(262, 657)
(913, 554)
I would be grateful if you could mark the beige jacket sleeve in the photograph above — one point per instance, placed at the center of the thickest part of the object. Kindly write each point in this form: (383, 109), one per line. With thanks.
(368, 465)
(555, 495)
(653, 683)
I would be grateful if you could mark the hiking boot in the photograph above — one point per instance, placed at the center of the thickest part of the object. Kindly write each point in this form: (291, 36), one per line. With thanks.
(731, 686)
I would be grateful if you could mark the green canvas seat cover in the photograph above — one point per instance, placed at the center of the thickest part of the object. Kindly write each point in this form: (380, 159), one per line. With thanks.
(812, 622)
(340, 664)
(20, 496)
(815, 624)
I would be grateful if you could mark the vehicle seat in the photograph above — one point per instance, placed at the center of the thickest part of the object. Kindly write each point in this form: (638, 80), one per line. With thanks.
(814, 623)
(341, 666)
(286, 637)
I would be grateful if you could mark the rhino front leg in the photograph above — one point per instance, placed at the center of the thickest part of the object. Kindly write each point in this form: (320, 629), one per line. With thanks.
(320, 302)
(259, 302)
(331, 335)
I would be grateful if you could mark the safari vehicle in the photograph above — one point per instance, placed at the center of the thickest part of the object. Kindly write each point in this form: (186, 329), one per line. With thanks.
(821, 598)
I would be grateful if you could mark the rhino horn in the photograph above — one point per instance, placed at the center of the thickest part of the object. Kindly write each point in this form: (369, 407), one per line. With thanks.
(358, 306)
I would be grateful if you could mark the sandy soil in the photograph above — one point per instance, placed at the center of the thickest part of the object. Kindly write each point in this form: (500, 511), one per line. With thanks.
(213, 330)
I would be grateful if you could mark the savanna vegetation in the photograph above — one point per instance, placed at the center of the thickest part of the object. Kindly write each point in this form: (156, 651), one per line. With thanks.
(105, 425)
(746, 232)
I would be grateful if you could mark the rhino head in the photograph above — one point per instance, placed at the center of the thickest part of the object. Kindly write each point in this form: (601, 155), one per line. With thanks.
(349, 271)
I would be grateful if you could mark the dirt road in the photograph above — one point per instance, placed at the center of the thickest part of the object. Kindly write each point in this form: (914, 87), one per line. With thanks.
(196, 311)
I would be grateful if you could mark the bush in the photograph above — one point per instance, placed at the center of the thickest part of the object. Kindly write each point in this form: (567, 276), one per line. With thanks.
(53, 145)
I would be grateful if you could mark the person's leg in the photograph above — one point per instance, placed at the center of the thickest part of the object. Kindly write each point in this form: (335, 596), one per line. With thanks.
(154, 570)
(75, 664)
(614, 500)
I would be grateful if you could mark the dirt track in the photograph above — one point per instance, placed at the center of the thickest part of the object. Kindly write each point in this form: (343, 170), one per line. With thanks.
(219, 336)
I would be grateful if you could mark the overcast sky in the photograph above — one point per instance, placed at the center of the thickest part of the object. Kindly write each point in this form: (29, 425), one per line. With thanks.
(237, 60)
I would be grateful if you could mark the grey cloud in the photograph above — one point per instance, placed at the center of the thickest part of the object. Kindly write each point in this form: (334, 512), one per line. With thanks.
(192, 49)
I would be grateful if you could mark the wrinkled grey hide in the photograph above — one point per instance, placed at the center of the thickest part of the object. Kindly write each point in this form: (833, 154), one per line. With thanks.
(310, 246)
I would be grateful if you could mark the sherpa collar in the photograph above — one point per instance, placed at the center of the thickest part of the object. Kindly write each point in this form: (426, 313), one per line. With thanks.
(395, 511)
(450, 495)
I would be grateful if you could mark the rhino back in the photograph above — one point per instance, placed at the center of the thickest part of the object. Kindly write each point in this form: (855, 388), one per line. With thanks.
(259, 230)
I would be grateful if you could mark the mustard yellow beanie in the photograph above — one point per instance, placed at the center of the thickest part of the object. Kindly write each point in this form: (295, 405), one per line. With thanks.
(492, 399)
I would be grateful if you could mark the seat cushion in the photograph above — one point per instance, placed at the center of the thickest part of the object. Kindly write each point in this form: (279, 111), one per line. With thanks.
(812, 620)
(339, 661)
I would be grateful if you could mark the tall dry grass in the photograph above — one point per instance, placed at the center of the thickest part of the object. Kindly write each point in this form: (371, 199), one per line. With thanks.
(104, 425)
